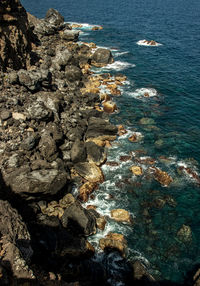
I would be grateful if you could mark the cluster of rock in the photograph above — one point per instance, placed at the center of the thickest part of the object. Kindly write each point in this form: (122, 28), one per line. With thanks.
(54, 134)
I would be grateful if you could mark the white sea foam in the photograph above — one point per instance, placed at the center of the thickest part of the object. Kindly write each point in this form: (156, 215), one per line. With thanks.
(143, 93)
(145, 43)
(119, 54)
(118, 66)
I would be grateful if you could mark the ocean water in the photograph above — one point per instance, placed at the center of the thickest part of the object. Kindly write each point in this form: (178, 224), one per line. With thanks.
(171, 135)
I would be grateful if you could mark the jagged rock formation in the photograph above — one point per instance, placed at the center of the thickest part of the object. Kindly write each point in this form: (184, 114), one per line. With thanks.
(15, 44)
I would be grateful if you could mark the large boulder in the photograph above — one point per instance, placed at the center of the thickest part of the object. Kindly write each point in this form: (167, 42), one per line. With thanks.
(90, 172)
(35, 184)
(62, 57)
(85, 190)
(15, 40)
(95, 153)
(16, 250)
(73, 73)
(101, 129)
(70, 35)
(102, 57)
(78, 152)
(84, 219)
(47, 147)
(114, 241)
(34, 80)
(53, 17)
(121, 215)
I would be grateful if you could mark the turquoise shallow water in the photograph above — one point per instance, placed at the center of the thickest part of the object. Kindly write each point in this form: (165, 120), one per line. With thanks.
(174, 131)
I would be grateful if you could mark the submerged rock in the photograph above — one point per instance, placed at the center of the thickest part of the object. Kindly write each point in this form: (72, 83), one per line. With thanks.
(162, 177)
(185, 233)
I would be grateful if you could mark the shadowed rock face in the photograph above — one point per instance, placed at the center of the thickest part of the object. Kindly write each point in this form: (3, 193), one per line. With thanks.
(15, 45)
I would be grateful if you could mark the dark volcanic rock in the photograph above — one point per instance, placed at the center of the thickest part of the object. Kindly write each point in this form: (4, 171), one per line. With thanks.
(95, 153)
(34, 80)
(15, 43)
(73, 73)
(100, 127)
(102, 57)
(78, 152)
(54, 17)
(15, 242)
(47, 147)
(36, 184)
(70, 35)
(84, 219)
(38, 111)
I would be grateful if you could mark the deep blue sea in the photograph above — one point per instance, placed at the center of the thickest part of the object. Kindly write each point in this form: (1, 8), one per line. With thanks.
(171, 133)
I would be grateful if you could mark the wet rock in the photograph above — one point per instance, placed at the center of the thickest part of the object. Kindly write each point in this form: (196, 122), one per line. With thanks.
(121, 215)
(112, 164)
(102, 57)
(101, 222)
(83, 218)
(36, 184)
(95, 153)
(185, 233)
(162, 177)
(54, 17)
(47, 147)
(101, 129)
(121, 130)
(15, 242)
(38, 111)
(96, 28)
(114, 241)
(125, 158)
(147, 121)
(109, 106)
(90, 172)
(136, 170)
(70, 35)
(85, 190)
(78, 152)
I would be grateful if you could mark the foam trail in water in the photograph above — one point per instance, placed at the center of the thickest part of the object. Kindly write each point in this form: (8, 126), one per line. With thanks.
(143, 93)
(148, 43)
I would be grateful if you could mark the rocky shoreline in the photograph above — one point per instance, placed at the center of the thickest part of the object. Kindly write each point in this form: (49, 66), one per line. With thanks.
(55, 130)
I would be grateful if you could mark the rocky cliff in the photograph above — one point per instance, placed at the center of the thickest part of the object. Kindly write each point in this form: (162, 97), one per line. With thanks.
(15, 43)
